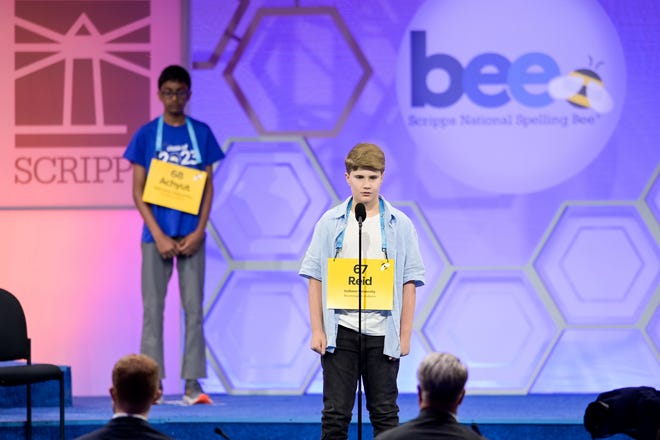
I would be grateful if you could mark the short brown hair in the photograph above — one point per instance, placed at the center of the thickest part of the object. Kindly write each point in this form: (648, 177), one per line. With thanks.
(135, 378)
(364, 155)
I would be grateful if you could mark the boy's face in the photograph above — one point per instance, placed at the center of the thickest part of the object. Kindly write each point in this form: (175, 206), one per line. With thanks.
(365, 185)
(174, 95)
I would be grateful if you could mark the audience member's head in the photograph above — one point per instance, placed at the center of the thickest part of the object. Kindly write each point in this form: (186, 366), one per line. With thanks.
(135, 384)
(441, 382)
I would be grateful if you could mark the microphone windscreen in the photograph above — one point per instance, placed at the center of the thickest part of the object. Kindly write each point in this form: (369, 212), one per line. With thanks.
(360, 212)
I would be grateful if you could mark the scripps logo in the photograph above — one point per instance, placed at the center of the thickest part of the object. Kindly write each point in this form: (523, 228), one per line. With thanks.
(510, 109)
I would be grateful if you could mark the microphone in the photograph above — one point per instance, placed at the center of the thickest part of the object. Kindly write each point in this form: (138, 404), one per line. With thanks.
(360, 212)
(221, 433)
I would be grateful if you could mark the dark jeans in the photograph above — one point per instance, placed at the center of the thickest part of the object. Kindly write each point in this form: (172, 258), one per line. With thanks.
(340, 376)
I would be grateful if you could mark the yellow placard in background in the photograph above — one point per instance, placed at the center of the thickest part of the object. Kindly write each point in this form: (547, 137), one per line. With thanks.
(174, 186)
(377, 284)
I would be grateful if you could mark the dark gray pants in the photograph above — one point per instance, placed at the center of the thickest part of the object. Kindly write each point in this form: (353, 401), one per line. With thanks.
(156, 274)
(340, 376)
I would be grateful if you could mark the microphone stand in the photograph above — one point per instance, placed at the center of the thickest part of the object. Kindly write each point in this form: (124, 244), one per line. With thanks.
(359, 402)
(221, 433)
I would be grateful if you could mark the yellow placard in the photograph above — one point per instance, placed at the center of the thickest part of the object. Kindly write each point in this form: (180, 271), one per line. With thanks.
(174, 186)
(377, 284)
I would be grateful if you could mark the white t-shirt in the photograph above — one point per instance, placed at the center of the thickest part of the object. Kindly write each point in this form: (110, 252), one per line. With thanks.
(373, 321)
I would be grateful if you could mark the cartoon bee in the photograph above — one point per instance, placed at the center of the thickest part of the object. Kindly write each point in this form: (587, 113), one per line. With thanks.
(582, 88)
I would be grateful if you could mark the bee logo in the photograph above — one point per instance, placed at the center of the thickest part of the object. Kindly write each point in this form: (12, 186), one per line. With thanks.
(582, 88)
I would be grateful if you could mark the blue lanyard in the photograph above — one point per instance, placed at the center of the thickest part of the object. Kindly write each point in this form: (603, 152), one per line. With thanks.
(191, 134)
(381, 212)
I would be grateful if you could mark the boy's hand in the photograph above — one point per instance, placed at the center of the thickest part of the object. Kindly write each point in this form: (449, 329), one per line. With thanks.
(190, 244)
(319, 342)
(167, 246)
(405, 346)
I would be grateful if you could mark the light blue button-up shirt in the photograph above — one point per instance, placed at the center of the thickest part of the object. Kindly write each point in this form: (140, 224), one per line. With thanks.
(402, 247)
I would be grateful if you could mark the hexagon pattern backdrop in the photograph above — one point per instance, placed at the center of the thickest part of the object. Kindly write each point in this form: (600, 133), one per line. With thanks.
(521, 139)
(551, 290)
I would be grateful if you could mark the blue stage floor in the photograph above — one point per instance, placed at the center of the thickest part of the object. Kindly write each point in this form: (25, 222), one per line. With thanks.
(547, 416)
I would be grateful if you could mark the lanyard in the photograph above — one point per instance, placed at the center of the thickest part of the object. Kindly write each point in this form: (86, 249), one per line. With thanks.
(191, 134)
(381, 213)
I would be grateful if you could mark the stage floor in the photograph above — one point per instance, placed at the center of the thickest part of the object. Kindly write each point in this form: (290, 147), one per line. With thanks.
(556, 416)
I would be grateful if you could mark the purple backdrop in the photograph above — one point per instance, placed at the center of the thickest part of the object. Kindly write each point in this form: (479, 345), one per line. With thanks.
(536, 204)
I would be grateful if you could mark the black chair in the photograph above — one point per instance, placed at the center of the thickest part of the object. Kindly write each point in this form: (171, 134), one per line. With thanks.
(15, 346)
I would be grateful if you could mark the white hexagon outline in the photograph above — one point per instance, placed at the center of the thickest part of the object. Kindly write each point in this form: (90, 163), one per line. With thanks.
(638, 205)
(654, 302)
(653, 224)
(305, 148)
(645, 209)
(546, 300)
(233, 390)
(347, 36)
(564, 269)
(645, 319)
(248, 167)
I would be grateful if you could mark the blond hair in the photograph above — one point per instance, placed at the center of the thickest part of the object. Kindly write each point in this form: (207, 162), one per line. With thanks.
(364, 155)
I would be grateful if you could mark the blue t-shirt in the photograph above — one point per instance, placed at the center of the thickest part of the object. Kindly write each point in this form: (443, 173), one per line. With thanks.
(176, 148)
